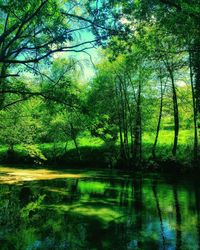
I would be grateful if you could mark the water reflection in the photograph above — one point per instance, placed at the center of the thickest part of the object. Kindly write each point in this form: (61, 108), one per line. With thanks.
(154, 189)
(99, 211)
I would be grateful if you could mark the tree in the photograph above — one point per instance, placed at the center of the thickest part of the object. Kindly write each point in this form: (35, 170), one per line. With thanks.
(172, 19)
(121, 84)
(19, 126)
(33, 31)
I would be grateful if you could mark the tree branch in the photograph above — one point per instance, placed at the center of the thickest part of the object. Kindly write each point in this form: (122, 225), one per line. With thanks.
(62, 49)
(9, 75)
(13, 103)
(29, 94)
(24, 21)
(90, 21)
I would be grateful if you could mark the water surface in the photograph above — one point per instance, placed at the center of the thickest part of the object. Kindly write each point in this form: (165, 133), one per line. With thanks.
(46, 209)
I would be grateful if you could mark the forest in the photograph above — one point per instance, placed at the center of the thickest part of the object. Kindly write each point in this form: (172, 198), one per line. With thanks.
(112, 84)
(99, 124)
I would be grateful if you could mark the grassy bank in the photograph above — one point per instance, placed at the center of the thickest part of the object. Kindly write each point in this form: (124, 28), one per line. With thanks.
(95, 153)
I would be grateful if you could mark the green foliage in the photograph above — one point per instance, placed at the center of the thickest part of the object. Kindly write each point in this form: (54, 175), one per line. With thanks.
(31, 207)
(145, 86)
(35, 153)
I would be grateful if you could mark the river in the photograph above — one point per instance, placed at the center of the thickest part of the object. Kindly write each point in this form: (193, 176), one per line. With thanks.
(76, 209)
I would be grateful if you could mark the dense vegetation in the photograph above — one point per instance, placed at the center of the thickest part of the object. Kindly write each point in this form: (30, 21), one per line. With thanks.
(140, 109)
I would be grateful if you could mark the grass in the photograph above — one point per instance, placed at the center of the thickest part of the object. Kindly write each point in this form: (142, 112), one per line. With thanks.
(82, 141)
(94, 151)
(166, 137)
(165, 144)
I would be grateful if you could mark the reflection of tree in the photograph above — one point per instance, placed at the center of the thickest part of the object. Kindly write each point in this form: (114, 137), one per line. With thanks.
(178, 219)
(92, 213)
(198, 212)
(73, 193)
(9, 206)
(25, 195)
(138, 208)
(124, 189)
(24, 221)
(154, 188)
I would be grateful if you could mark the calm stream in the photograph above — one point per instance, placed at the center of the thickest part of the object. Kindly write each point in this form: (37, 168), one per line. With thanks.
(49, 209)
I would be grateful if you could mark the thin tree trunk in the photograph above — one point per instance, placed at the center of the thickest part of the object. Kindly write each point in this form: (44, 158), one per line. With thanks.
(129, 118)
(121, 138)
(159, 120)
(137, 131)
(75, 141)
(2, 84)
(77, 148)
(196, 70)
(132, 124)
(126, 118)
(119, 124)
(194, 112)
(65, 147)
(124, 127)
(11, 147)
(176, 114)
(3, 67)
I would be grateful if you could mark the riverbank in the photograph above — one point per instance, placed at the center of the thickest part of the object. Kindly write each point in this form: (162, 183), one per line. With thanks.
(102, 156)
(92, 152)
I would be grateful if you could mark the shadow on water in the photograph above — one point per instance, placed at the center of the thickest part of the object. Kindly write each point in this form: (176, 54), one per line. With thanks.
(178, 219)
(154, 188)
(97, 211)
(197, 203)
(138, 209)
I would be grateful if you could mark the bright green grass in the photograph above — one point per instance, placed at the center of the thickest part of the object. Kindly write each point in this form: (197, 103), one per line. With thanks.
(82, 142)
(163, 149)
(166, 137)
(165, 144)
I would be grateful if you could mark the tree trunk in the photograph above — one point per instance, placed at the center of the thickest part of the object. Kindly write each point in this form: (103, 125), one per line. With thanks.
(137, 150)
(176, 114)
(75, 141)
(11, 153)
(2, 83)
(11, 147)
(125, 101)
(159, 119)
(129, 118)
(65, 147)
(196, 70)
(77, 148)
(194, 112)
(119, 122)
(124, 122)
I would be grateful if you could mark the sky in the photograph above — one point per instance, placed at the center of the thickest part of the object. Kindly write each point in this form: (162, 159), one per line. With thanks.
(87, 59)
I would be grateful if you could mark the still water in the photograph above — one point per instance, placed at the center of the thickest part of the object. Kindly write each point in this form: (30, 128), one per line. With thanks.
(49, 209)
